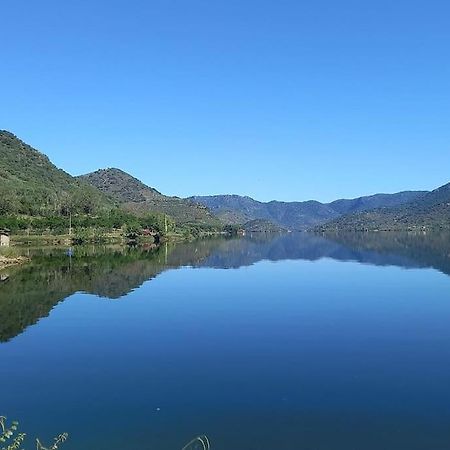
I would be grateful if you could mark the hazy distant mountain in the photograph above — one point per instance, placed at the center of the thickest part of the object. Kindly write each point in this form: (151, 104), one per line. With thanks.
(345, 206)
(292, 215)
(297, 215)
(430, 210)
(136, 197)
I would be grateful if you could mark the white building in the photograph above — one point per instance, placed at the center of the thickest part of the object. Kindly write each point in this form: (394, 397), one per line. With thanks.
(4, 238)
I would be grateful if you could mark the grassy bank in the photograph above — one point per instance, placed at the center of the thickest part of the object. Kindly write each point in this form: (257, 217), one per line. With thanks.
(115, 227)
(66, 239)
(8, 257)
(93, 236)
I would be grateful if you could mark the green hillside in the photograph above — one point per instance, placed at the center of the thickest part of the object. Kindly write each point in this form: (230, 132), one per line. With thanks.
(31, 185)
(137, 198)
(37, 196)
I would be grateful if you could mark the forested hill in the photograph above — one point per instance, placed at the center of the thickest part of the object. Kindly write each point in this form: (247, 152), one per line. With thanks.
(30, 184)
(137, 198)
(429, 211)
(35, 194)
(298, 215)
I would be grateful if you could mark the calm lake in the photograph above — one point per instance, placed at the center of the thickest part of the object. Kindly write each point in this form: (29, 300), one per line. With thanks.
(262, 342)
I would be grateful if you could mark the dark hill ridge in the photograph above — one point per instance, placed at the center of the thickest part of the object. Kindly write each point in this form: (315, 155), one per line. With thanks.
(297, 215)
(428, 211)
(31, 184)
(138, 198)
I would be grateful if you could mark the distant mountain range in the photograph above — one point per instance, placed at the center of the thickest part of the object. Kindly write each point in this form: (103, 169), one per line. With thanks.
(428, 211)
(298, 215)
(30, 185)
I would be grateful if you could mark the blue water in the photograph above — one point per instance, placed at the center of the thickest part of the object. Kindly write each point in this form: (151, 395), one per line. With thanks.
(343, 347)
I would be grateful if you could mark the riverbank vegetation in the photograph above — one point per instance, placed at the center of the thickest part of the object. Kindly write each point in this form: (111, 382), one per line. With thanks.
(112, 226)
(10, 257)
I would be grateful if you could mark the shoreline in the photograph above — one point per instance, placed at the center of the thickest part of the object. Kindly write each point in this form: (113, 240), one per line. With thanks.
(20, 240)
(8, 262)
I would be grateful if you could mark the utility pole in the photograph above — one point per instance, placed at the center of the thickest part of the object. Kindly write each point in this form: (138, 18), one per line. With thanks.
(165, 223)
(70, 223)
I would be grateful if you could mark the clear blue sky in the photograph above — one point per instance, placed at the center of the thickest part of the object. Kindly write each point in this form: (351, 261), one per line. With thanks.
(287, 100)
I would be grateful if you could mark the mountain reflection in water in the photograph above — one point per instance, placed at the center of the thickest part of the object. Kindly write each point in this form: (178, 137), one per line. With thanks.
(30, 292)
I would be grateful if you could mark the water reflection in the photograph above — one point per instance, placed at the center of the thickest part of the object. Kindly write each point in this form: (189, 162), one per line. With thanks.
(29, 293)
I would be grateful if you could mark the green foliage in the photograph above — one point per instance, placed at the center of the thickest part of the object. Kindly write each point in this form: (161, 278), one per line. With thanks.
(91, 228)
(158, 222)
(13, 439)
(60, 439)
(88, 235)
(9, 252)
(231, 229)
(31, 185)
(132, 230)
(262, 226)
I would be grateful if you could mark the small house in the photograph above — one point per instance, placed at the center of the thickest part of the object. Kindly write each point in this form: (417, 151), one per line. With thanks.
(4, 237)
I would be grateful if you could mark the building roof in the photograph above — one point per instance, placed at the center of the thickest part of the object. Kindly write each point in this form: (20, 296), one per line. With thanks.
(4, 231)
